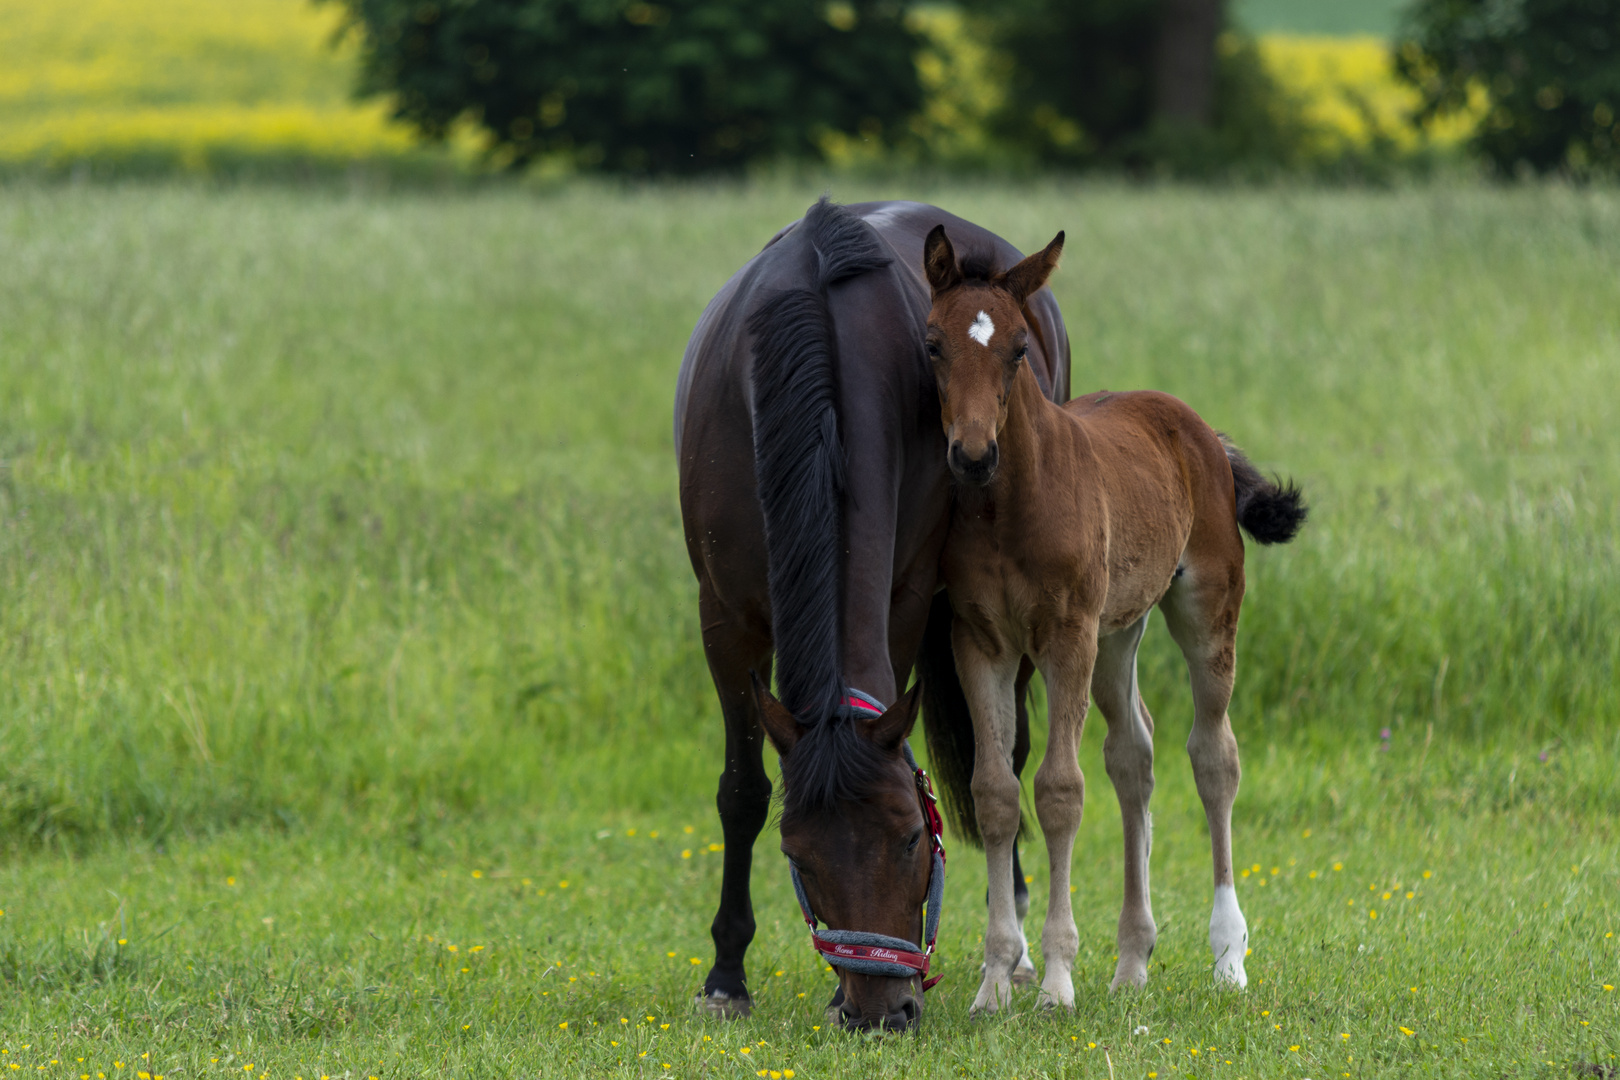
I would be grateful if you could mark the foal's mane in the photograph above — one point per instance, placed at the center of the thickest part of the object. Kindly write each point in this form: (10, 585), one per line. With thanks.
(799, 469)
(979, 266)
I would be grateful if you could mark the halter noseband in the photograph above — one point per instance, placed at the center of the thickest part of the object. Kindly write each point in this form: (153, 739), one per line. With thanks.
(879, 954)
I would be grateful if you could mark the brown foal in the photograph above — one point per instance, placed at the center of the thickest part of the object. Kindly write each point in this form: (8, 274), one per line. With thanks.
(1070, 524)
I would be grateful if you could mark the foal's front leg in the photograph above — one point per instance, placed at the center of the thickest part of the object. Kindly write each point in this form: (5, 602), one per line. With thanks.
(987, 682)
(1060, 794)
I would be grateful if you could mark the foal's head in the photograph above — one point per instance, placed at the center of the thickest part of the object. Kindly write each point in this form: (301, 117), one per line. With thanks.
(977, 340)
(853, 826)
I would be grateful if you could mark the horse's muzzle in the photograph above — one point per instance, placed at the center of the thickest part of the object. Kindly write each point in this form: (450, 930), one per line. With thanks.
(977, 471)
(895, 1006)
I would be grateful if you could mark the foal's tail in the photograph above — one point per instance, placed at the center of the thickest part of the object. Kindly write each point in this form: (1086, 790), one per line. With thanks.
(1271, 511)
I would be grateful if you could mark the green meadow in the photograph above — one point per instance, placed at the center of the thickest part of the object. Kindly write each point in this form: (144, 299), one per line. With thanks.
(353, 719)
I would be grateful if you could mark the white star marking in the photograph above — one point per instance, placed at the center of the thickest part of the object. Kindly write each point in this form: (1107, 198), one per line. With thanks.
(981, 329)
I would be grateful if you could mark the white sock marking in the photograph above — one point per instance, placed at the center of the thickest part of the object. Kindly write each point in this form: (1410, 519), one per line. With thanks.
(981, 329)
(1228, 937)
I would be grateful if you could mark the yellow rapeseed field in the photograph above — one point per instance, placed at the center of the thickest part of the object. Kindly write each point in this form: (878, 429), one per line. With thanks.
(196, 84)
(1349, 98)
(187, 82)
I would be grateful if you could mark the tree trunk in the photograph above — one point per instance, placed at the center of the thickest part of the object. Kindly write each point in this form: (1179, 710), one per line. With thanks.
(1184, 60)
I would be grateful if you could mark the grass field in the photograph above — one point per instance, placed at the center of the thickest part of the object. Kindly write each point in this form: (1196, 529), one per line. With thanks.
(353, 719)
(1379, 17)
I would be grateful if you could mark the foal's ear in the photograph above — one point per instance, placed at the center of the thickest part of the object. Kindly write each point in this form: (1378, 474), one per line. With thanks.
(939, 261)
(1025, 279)
(780, 725)
(895, 724)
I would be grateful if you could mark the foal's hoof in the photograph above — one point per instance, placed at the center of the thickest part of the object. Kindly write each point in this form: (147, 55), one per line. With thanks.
(1134, 977)
(1229, 974)
(722, 1006)
(1024, 974)
(992, 998)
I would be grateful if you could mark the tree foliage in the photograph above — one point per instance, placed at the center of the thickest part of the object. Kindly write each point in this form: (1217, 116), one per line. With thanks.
(1082, 89)
(677, 86)
(1081, 80)
(1550, 67)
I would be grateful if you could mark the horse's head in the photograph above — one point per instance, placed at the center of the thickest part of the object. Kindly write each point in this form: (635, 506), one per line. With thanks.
(977, 339)
(854, 830)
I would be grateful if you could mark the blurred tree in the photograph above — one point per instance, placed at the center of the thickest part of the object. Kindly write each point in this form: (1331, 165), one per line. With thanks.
(1184, 60)
(678, 86)
(1138, 82)
(1551, 69)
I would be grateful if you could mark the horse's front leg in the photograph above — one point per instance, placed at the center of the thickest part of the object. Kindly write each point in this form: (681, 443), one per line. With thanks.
(743, 799)
(987, 672)
(1060, 794)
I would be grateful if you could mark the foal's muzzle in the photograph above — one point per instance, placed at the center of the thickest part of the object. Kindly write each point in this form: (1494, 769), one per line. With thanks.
(977, 471)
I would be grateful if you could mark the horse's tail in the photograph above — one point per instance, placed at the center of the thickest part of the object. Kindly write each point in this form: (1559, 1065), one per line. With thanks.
(799, 457)
(948, 726)
(1272, 510)
(947, 723)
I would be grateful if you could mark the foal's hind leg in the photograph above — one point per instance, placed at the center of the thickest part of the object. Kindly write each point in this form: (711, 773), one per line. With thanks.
(1128, 754)
(1024, 973)
(1201, 609)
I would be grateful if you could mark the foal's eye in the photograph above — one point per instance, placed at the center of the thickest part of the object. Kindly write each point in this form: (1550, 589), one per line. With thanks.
(1023, 353)
(933, 349)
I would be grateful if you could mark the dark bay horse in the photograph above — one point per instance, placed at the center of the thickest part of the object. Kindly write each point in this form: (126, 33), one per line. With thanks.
(1070, 525)
(815, 499)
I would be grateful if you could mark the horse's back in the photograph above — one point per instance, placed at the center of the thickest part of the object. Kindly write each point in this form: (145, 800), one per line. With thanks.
(904, 226)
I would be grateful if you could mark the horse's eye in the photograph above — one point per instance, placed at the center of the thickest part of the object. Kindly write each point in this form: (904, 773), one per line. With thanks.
(916, 838)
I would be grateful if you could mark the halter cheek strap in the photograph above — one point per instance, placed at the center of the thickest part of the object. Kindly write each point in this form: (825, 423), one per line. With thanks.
(879, 954)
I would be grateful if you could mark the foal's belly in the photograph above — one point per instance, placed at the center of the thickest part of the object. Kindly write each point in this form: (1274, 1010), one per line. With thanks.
(1015, 612)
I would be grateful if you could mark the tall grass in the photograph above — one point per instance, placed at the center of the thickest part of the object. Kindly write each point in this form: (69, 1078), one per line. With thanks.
(319, 503)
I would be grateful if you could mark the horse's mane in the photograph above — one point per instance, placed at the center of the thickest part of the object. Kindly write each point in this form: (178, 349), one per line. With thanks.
(799, 469)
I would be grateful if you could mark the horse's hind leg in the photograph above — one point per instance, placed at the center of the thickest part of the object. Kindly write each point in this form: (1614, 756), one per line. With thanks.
(1128, 754)
(743, 800)
(1201, 609)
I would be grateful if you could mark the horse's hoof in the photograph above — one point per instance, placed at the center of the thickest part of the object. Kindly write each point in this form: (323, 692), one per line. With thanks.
(1024, 975)
(722, 1006)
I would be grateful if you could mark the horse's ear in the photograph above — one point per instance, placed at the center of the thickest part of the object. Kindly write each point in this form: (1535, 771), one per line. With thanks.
(895, 724)
(939, 261)
(777, 719)
(1025, 279)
